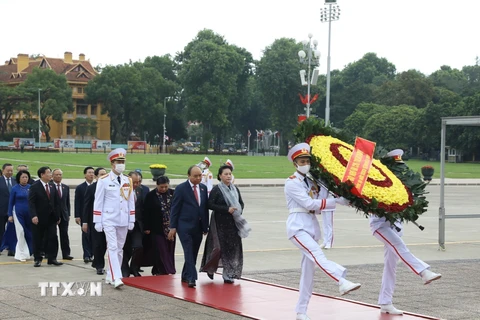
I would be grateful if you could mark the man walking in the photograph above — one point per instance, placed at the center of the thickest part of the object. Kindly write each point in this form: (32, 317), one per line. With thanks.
(80, 190)
(63, 192)
(189, 218)
(114, 213)
(6, 184)
(44, 204)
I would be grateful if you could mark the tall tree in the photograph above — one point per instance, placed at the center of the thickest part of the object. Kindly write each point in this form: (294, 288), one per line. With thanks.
(356, 83)
(12, 101)
(210, 71)
(55, 97)
(280, 85)
(85, 126)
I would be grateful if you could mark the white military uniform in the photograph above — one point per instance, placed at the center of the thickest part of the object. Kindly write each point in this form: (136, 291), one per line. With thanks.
(394, 248)
(207, 179)
(303, 230)
(114, 209)
(327, 224)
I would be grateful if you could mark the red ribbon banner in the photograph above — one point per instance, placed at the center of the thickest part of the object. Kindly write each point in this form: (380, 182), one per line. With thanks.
(359, 164)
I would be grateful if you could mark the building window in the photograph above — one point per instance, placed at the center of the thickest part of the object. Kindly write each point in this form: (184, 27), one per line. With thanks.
(93, 110)
(82, 107)
(80, 90)
(69, 127)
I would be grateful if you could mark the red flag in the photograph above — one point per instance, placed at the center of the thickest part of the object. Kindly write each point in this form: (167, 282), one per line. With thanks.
(359, 164)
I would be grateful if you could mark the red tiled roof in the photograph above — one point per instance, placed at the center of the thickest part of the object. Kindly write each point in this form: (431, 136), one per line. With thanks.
(56, 64)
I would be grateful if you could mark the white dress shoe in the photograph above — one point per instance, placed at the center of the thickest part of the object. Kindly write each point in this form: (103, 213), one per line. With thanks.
(302, 316)
(390, 309)
(109, 281)
(348, 286)
(118, 283)
(322, 246)
(429, 276)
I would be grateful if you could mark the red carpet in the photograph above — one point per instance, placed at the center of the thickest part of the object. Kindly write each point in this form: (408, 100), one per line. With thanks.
(260, 300)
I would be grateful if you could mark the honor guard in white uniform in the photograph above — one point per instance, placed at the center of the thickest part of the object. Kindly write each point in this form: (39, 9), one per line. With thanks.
(230, 164)
(304, 201)
(114, 213)
(395, 249)
(207, 176)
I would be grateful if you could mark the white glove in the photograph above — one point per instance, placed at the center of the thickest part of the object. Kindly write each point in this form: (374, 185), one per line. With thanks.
(98, 227)
(342, 201)
(131, 225)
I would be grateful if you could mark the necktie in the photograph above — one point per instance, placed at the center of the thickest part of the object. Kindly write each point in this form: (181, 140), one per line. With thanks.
(119, 181)
(9, 185)
(196, 194)
(59, 190)
(47, 189)
(306, 182)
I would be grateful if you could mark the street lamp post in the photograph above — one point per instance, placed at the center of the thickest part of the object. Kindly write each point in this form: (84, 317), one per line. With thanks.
(310, 58)
(164, 147)
(329, 14)
(39, 122)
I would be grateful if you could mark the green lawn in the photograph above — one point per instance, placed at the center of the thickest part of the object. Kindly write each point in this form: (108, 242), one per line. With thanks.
(259, 167)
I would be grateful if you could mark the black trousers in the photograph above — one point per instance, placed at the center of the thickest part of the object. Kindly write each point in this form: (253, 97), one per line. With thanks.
(99, 247)
(132, 249)
(87, 243)
(3, 225)
(64, 240)
(45, 232)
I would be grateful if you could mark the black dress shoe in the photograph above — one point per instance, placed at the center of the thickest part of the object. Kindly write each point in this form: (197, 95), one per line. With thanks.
(191, 284)
(140, 270)
(87, 260)
(228, 281)
(99, 271)
(11, 253)
(210, 275)
(185, 280)
(67, 257)
(42, 253)
(37, 264)
(55, 262)
(136, 274)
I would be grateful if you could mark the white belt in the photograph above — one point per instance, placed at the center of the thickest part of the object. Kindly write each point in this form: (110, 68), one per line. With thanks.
(299, 210)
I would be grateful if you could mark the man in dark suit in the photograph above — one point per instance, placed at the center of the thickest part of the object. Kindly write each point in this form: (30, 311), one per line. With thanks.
(99, 242)
(63, 192)
(6, 184)
(44, 206)
(145, 189)
(87, 236)
(133, 247)
(189, 218)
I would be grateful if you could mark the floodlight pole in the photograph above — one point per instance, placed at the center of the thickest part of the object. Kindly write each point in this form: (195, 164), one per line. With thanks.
(332, 13)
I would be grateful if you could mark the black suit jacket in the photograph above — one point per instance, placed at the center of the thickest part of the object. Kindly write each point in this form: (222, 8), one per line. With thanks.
(5, 195)
(41, 206)
(80, 199)
(152, 213)
(186, 212)
(89, 196)
(64, 201)
(139, 206)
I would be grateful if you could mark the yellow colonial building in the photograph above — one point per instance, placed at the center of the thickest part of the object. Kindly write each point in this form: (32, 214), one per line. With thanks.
(78, 72)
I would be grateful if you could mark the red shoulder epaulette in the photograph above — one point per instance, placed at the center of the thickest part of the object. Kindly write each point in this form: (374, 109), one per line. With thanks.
(292, 177)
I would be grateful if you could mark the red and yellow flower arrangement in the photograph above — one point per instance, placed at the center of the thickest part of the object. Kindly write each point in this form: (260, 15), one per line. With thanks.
(394, 194)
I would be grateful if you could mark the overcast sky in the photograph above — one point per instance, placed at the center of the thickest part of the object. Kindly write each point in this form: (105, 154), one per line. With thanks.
(422, 34)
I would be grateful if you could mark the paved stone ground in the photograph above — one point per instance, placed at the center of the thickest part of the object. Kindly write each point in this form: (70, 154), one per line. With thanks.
(454, 297)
